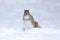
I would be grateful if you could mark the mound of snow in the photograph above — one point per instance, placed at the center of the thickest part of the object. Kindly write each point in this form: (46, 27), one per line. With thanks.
(41, 34)
(31, 34)
(10, 34)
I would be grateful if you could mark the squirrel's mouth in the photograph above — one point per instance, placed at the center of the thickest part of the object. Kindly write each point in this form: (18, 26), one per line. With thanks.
(26, 13)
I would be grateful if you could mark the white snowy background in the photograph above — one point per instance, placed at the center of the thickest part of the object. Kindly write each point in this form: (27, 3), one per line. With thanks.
(45, 12)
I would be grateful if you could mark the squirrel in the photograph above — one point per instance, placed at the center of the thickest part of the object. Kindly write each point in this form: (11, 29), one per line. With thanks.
(29, 21)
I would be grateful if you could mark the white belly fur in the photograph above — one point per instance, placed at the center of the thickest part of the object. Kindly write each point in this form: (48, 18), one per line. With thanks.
(26, 17)
(28, 24)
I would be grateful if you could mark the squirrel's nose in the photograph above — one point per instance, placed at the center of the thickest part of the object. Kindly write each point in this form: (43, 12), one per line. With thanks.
(26, 13)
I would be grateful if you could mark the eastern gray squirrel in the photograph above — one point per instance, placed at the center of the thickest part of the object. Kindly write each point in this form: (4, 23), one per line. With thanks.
(29, 21)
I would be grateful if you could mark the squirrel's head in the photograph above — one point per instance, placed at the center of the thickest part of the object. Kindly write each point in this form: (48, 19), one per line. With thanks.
(26, 12)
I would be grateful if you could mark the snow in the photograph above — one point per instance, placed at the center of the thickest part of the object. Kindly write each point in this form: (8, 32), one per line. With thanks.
(9, 34)
(45, 12)
(41, 34)
(31, 34)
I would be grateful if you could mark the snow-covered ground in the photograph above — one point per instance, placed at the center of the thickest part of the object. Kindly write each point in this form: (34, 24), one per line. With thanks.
(45, 12)
(10, 34)
(31, 34)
